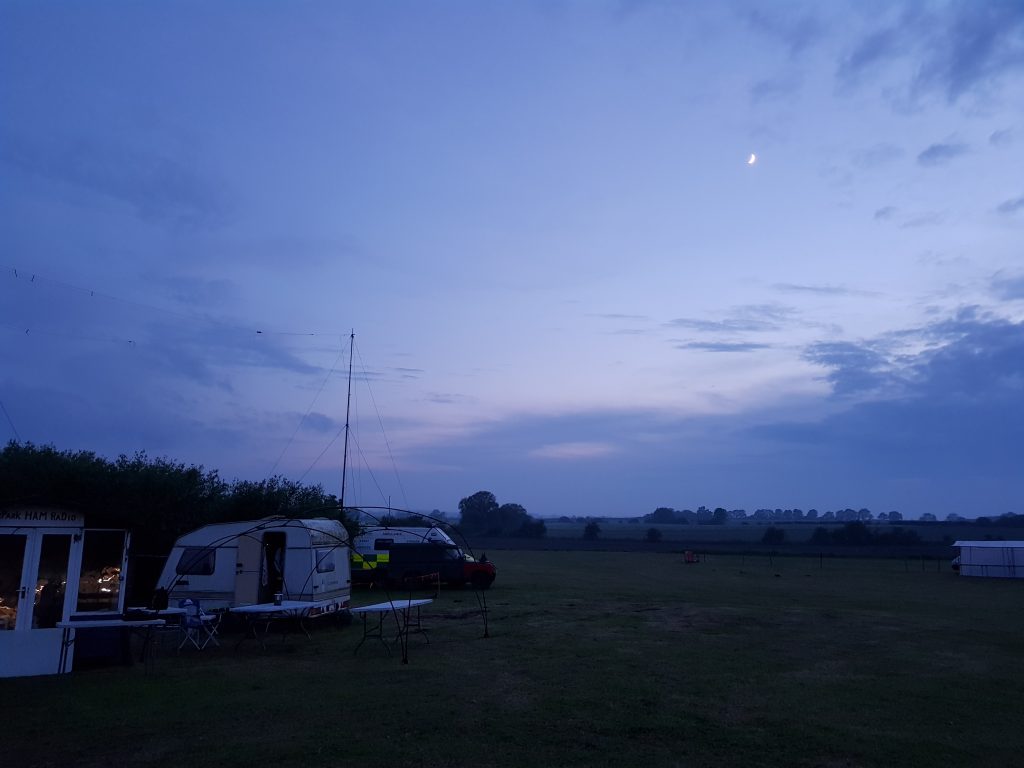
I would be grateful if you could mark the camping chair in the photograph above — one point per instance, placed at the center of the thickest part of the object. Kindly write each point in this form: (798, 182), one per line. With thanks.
(198, 627)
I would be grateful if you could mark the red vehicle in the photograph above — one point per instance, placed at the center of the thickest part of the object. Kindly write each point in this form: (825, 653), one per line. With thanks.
(412, 564)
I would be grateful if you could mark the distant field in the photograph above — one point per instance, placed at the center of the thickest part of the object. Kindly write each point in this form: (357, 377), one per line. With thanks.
(595, 659)
(796, 533)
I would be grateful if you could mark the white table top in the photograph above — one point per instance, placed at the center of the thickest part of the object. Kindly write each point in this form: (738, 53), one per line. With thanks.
(393, 605)
(155, 612)
(286, 606)
(110, 623)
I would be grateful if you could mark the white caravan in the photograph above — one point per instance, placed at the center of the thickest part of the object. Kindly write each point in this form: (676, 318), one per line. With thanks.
(244, 563)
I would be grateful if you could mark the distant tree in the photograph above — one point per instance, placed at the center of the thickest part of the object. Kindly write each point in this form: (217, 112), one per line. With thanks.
(812, 514)
(478, 512)
(773, 535)
(532, 529)
(821, 535)
(853, 534)
(481, 514)
(928, 517)
(592, 530)
(898, 536)
(895, 516)
(653, 535)
(720, 516)
(661, 515)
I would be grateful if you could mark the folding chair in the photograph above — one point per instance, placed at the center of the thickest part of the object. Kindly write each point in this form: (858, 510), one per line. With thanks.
(198, 627)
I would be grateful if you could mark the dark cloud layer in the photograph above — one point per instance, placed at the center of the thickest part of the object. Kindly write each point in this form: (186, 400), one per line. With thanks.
(937, 430)
(722, 346)
(750, 317)
(157, 187)
(956, 407)
(957, 48)
(939, 154)
(1011, 206)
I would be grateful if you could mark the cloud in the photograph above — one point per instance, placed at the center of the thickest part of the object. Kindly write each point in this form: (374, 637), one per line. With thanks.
(821, 290)
(321, 423)
(750, 317)
(722, 346)
(853, 368)
(797, 31)
(953, 49)
(928, 219)
(874, 48)
(1002, 138)
(774, 88)
(877, 155)
(195, 292)
(947, 433)
(1008, 288)
(409, 373)
(885, 213)
(940, 154)
(927, 419)
(573, 451)
(158, 187)
(977, 43)
(447, 398)
(1009, 207)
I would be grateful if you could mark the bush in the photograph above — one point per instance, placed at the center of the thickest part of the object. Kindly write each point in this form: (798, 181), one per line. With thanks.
(774, 535)
(591, 531)
(653, 535)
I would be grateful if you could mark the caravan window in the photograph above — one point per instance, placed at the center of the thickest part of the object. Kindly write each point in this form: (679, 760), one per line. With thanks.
(383, 543)
(196, 561)
(324, 560)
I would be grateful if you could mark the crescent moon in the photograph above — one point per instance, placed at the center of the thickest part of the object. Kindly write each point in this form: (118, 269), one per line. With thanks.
(752, 159)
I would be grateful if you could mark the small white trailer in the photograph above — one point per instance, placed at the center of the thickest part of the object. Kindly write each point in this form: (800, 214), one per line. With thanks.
(1003, 559)
(225, 565)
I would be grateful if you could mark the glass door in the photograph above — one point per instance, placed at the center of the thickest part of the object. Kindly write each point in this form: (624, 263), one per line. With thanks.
(51, 582)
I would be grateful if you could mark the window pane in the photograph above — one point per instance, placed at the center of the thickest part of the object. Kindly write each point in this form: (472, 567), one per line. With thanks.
(52, 581)
(324, 560)
(100, 581)
(196, 561)
(12, 558)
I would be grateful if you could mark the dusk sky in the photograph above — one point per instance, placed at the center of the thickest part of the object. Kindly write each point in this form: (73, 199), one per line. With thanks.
(568, 284)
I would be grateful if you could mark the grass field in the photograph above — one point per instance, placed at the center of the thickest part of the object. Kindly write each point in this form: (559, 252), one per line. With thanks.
(751, 532)
(594, 659)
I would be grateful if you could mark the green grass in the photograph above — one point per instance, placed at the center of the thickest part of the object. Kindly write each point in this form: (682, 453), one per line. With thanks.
(594, 658)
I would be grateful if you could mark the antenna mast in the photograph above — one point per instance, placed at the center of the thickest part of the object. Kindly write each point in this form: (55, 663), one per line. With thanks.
(348, 407)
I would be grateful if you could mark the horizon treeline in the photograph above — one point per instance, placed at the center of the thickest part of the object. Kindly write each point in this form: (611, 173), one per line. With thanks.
(156, 498)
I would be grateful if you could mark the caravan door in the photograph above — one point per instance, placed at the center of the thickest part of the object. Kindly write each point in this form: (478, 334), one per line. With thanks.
(247, 569)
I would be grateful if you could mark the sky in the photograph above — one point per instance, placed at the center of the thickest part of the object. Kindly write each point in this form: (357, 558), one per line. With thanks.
(567, 283)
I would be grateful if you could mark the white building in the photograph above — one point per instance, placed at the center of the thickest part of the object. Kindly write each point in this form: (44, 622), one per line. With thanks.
(991, 558)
